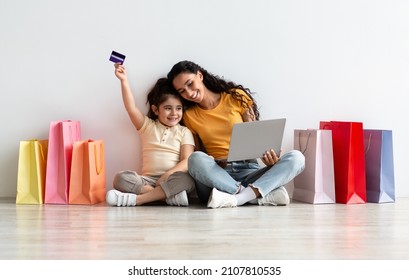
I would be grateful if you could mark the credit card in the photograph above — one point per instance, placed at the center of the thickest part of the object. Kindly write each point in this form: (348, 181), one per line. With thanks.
(116, 57)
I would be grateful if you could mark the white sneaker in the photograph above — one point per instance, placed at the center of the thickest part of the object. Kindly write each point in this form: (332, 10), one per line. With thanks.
(277, 197)
(220, 199)
(117, 198)
(254, 201)
(179, 199)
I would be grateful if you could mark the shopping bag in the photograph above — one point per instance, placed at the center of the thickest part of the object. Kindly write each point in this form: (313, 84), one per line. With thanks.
(380, 178)
(32, 164)
(62, 136)
(316, 184)
(349, 161)
(87, 183)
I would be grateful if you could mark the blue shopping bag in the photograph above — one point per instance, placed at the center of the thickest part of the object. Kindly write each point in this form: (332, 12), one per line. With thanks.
(380, 178)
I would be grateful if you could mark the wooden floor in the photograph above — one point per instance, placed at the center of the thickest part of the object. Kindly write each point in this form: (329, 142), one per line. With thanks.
(295, 232)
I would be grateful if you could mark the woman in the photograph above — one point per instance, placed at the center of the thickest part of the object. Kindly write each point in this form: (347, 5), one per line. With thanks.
(214, 106)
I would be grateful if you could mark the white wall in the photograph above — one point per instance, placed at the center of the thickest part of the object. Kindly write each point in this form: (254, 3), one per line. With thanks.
(307, 60)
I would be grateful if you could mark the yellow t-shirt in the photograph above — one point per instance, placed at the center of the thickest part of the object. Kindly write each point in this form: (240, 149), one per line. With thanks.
(213, 127)
(161, 146)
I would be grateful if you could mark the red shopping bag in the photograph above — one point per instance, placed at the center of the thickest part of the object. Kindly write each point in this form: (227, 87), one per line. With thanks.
(61, 139)
(87, 183)
(349, 161)
(316, 184)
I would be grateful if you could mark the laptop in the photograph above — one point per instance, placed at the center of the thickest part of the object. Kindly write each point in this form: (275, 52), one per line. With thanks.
(250, 140)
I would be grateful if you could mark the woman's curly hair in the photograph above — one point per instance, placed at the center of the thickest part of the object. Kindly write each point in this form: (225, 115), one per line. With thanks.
(214, 83)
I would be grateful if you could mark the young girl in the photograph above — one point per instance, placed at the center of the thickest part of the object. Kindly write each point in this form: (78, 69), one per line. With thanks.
(166, 146)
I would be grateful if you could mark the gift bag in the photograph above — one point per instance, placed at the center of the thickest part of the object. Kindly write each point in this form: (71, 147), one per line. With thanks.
(316, 183)
(380, 179)
(61, 139)
(349, 161)
(87, 183)
(31, 171)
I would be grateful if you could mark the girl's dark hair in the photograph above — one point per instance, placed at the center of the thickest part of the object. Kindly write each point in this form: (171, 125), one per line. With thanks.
(213, 83)
(159, 93)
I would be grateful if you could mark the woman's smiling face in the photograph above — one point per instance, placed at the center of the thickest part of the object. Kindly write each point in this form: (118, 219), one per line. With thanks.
(190, 86)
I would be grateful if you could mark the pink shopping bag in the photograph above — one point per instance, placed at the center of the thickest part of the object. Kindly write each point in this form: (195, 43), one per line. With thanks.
(61, 139)
(316, 184)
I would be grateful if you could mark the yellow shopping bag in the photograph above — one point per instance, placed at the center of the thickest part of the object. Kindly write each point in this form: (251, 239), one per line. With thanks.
(32, 164)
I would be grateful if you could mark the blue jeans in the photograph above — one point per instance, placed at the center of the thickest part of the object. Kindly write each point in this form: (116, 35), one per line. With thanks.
(208, 174)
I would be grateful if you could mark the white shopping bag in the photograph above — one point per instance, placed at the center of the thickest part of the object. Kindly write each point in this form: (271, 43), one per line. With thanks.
(316, 184)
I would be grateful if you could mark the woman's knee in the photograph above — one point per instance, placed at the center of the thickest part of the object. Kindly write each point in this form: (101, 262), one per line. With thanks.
(197, 161)
(196, 157)
(297, 158)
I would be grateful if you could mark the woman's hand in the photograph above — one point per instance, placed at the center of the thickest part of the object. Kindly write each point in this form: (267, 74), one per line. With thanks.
(120, 72)
(248, 115)
(270, 158)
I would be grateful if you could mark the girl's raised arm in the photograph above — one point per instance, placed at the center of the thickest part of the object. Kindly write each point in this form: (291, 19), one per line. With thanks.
(134, 113)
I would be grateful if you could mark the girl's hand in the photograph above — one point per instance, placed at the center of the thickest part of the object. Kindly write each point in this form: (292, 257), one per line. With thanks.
(120, 72)
(270, 158)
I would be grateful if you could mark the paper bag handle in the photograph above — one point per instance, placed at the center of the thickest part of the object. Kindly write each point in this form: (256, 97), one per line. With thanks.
(71, 136)
(41, 150)
(299, 141)
(369, 143)
(100, 159)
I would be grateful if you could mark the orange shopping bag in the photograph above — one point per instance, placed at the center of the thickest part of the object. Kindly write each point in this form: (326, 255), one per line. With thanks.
(87, 183)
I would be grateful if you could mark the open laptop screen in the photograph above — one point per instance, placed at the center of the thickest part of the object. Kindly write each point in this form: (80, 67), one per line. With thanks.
(250, 140)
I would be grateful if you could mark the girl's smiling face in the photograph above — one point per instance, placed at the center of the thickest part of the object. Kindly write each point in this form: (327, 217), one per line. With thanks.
(170, 112)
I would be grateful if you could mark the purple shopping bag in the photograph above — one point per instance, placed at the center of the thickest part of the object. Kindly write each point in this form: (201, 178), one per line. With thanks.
(380, 178)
